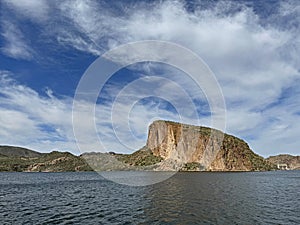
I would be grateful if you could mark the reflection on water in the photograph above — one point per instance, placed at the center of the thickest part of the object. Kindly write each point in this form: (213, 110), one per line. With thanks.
(186, 198)
(137, 178)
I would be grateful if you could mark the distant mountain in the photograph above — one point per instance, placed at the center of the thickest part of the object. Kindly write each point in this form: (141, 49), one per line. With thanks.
(142, 159)
(11, 151)
(17, 159)
(292, 162)
(105, 162)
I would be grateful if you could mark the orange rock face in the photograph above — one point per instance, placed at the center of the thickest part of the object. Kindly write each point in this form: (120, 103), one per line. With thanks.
(212, 149)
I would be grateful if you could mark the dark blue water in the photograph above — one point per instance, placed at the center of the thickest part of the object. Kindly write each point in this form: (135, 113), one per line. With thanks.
(186, 198)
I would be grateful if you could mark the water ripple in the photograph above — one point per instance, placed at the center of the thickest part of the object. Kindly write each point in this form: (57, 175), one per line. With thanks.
(186, 198)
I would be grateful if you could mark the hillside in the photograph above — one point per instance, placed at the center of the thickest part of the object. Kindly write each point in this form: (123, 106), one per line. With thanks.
(293, 162)
(142, 159)
(45, 162)
(104, 162)
(11, 151)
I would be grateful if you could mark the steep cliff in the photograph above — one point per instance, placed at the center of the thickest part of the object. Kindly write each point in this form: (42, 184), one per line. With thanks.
(188, 147)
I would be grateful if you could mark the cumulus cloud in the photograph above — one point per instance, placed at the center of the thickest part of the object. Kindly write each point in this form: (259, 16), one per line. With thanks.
(28, 119)
(254, 57)
(45, 123)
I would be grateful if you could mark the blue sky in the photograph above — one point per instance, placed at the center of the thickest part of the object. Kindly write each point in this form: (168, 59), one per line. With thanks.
(252, 47)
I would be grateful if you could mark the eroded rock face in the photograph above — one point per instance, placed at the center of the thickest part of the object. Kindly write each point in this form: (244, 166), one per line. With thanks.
(181, 143)
(212, 149)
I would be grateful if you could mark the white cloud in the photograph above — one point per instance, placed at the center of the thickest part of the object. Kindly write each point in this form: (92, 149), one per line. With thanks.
(255, 60)
(30, 120)
(77, 42)
(15, 44)
(37, 10)
(93, 27)
(249, 59)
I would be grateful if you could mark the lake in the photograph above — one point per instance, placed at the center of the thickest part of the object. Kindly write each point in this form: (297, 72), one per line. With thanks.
(185, 198)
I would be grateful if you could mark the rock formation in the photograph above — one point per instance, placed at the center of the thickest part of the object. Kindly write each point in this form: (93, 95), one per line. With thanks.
(185, 146)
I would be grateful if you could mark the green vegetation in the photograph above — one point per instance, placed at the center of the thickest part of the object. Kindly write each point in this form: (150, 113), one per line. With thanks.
(13, 164)
(193, 166)
(142, 157)
(14, 161)
(105, 161)
(11, 151)
(237, 154)
(59, 162)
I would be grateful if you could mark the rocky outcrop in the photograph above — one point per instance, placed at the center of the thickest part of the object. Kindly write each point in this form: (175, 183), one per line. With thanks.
(184, 146)
(292, 162)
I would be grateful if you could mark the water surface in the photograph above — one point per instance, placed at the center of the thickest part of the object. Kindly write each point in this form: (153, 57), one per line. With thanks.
(186, 198)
